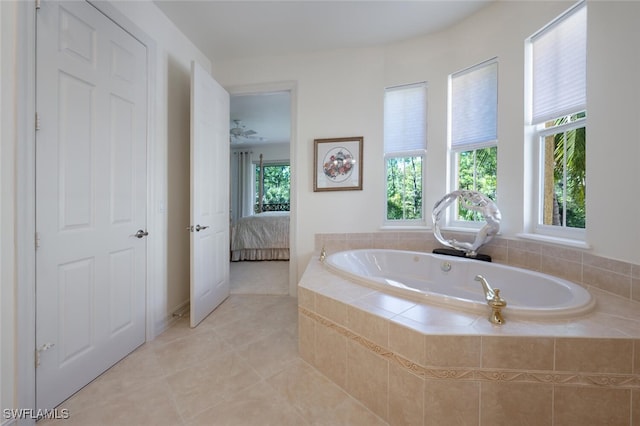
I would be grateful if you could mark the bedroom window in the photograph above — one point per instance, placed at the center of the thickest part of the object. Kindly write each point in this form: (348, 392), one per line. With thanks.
(557, 56)
(273, 182)
(474, 134)
(405, 144)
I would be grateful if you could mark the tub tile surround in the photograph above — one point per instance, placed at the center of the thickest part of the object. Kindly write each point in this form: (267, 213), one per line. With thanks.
(412, 363)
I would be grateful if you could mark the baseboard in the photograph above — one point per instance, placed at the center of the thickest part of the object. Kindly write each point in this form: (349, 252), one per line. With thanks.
(166, 323)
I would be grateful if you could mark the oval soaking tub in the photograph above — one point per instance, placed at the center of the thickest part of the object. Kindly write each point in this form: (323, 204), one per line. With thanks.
(450, 281)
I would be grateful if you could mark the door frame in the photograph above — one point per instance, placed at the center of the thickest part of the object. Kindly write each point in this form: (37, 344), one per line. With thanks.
(292, 88)
(26, 196)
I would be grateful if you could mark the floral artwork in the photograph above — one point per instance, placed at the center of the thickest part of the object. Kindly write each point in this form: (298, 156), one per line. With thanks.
(338, 164)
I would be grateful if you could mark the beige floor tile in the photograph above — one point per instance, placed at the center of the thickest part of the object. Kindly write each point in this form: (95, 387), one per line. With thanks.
(240, 366)
(274, 277)
(206, 383)
(182, 352)
(320, 401)
(151, 403)
(131, 373)
(258, 405)
(271, 354)
(178, 330)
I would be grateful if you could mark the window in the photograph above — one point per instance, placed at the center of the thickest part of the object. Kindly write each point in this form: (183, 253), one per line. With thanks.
(273, 187)
(559, 123)
(474, 133)
(405, 143)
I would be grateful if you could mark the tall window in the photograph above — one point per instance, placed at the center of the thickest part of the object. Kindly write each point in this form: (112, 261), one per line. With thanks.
(273, 184)
(405, 144)
(474, 132)
(559, 119)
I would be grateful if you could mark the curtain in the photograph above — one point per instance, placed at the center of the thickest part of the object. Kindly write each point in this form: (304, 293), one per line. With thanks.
(243, 199)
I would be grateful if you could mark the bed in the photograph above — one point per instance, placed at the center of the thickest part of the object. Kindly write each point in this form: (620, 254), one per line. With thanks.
(263, 236)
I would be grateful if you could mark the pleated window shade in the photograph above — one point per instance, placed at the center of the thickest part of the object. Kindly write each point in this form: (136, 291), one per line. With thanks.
(405, 118)
(559, 73)
(474, 106)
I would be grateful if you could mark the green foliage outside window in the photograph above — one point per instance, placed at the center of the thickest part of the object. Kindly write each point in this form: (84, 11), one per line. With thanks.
(277, 185)
(575, 180)
(567, 204)
(477, 171)
(404, 188)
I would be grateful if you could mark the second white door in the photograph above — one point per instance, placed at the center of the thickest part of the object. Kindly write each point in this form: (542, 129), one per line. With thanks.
(209, 227)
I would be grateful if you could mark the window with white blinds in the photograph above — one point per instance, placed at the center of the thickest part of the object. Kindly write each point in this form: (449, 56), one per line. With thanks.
(405, 118)
(558, 127)
(559, 72)
(474, 106)
(405, 144)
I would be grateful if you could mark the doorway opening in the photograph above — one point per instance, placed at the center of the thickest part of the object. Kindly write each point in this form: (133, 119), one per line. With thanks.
(262, 123)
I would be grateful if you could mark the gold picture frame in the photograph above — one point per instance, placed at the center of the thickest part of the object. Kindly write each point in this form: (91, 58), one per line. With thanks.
(337, 164)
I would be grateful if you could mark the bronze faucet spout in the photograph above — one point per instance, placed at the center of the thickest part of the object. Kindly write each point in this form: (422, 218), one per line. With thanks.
(488, 291)
(495, 302)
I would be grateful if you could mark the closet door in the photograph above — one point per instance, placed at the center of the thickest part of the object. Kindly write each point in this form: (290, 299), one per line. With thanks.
(91, 197)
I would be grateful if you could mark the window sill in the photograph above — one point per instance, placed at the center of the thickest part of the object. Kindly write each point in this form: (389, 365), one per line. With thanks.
(405, 228)
(555, 240)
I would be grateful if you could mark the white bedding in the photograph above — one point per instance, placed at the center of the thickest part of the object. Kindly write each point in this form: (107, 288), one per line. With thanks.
(263, 236)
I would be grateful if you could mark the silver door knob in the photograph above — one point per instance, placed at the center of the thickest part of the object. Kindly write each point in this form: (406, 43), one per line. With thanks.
(141, 234)
(200, 228)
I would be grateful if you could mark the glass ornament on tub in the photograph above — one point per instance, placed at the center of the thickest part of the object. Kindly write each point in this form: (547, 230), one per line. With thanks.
(470, 200)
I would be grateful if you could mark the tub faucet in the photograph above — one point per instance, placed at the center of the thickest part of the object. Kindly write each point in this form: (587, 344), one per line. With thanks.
(495, 302)
(323, 254)
(488, 291)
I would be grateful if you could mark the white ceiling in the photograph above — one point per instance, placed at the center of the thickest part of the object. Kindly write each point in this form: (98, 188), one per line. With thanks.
(267, 114)
(239, 28)
(231, 29)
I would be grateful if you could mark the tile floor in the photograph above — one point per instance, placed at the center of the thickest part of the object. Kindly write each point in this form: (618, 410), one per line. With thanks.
(260, 277)
(240, 366)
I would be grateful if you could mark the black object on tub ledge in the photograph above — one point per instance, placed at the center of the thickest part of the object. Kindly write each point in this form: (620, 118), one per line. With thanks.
(460, 253)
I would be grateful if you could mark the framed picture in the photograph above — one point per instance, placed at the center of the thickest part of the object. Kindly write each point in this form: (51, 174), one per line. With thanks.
(337, 164)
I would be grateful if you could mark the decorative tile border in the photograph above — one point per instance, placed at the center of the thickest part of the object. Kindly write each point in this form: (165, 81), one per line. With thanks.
(616, 381)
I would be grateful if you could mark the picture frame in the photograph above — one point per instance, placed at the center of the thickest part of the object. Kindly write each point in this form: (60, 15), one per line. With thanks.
(337, 164)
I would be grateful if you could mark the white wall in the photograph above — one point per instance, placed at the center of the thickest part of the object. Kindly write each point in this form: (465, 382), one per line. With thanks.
(334, 99)
(613, 152)
(168, 280)
(340, 94)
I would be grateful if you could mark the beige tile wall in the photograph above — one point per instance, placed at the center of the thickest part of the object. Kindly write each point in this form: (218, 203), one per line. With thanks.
(483, 380)
(407, 377)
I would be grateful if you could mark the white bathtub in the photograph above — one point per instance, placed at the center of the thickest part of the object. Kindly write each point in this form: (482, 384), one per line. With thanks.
(450, 281)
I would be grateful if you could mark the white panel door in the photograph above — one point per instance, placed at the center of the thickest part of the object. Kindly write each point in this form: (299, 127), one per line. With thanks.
(91, 197)
(209, 243)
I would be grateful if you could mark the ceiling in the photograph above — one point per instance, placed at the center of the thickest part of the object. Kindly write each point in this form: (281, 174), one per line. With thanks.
(268, 114)
(225, 30)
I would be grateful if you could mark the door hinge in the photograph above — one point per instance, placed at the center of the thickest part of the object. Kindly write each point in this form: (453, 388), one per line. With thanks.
(42, 348)
(37, 121)
(37, 239)
(38, 4)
